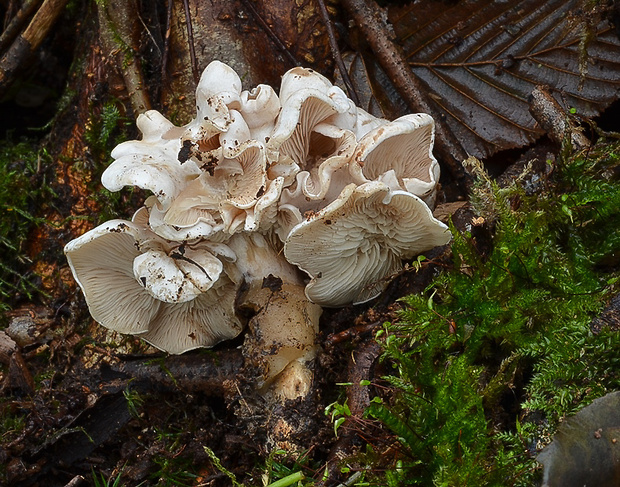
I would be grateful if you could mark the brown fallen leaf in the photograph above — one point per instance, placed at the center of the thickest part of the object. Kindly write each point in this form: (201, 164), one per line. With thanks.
(480, 61)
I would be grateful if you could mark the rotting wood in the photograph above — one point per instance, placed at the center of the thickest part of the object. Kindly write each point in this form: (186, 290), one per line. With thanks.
(75, 481)
(554, 120)
(19, 378)
(205, 372)
(7, 348)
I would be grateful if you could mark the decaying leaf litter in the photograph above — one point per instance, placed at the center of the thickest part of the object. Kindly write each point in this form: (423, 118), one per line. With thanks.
(91, 380)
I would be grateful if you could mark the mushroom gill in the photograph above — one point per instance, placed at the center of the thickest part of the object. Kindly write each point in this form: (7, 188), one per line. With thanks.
(352, 246)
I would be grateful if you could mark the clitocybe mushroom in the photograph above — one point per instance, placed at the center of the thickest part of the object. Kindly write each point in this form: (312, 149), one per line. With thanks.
(173, 295)
(352, 245)
(399, 153)
(277, 204)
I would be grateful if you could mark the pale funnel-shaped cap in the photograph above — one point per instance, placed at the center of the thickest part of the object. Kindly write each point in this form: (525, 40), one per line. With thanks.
(351, 246)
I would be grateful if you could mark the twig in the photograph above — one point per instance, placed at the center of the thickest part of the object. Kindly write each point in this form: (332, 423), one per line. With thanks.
(192, 372)
(336, 53)
(190, 40)
(164, 61)
(270, 33)
(358, 399)
(554, 120)
(350, 333)
(393, 62)
(26, 43)
(75, 481)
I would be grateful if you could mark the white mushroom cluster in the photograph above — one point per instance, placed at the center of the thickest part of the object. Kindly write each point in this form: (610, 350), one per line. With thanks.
(294, 201)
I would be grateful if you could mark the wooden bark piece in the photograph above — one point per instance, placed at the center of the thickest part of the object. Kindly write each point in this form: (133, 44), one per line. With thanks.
(28, 41)
(7, 348)
(120, 33)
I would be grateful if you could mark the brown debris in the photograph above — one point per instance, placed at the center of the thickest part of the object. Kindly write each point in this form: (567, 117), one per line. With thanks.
(609, 318)
(7, 348)
(18, 378)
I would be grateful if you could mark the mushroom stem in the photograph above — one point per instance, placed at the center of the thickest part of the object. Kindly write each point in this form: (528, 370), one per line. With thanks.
(281, 339)
(281, 336)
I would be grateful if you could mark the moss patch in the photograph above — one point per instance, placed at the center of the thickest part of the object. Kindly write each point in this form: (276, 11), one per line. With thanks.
(499, 349)
(24, 190)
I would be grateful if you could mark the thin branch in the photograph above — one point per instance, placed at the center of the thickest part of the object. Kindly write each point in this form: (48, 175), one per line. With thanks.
(554, 120)
(117, 29)
(333, 44)
(375, 30)
(190, 40)
(207, 373)
(164, 61)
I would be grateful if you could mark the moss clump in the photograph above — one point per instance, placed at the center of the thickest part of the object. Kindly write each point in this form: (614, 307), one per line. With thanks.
(106, 128)
(499, 348)
(23, 192)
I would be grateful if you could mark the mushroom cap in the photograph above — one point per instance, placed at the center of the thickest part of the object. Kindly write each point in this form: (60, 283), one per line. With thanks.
(365, 122)
(260, 108)
(262, 215)
(307, 99)
(108, 264)
(219, 79)
(403, 147)
(356, 119)
(352, 245)
(326, 176)
(192, 225)
(218, 90)
(151, 163)
(101, 261)
(237, 133)
(178, 276)
(199, 323)
(329, 152)
(149, 169)
(155, 127)
(221, 199)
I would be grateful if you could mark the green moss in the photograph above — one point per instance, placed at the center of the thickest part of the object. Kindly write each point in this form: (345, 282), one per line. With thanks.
(106, 128)
(102, 131)
(24, 191)
(498, 349)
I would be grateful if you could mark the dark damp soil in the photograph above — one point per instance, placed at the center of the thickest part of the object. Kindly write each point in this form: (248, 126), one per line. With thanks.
(75, 406)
